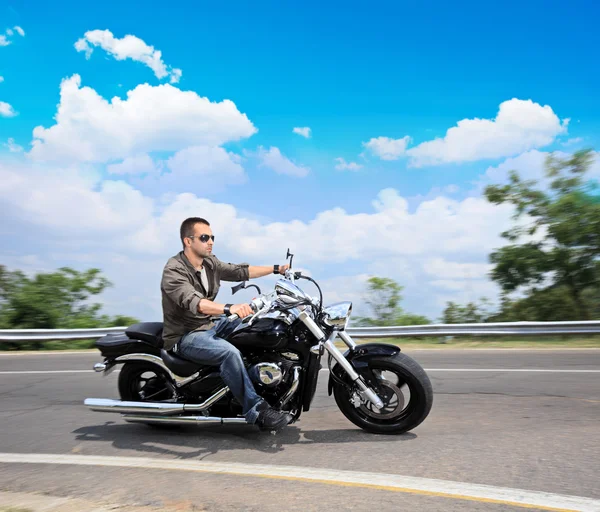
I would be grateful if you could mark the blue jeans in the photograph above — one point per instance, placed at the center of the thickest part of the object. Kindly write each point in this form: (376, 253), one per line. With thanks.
(209, 348)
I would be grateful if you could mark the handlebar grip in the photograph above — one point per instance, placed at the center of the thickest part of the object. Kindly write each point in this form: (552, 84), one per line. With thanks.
(253, 305)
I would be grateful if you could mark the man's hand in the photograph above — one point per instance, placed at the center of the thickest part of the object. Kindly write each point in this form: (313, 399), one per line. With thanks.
(241, 310)
(283, 268)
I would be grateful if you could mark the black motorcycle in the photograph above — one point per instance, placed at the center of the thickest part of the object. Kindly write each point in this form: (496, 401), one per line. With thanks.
(375, 385)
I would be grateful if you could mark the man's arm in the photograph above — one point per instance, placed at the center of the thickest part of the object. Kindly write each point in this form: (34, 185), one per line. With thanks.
(176, 284)
(260, 271)
(208, 307)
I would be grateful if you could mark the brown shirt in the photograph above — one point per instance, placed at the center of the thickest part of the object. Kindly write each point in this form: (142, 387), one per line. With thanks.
(182, 291)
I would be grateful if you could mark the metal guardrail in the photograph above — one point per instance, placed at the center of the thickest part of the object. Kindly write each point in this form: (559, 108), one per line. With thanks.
(498, 329)
(17, 335)
(485, 329)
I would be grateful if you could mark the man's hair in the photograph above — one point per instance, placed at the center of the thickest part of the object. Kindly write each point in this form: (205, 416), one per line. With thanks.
(187, 227)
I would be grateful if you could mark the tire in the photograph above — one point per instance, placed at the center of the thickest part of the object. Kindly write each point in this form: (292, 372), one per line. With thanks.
(408, 372)
(129, 390)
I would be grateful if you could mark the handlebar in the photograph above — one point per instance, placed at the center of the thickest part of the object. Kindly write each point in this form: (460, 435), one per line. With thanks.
(256, 305)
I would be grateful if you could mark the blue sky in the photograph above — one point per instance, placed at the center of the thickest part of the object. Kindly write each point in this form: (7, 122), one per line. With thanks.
(352, 73)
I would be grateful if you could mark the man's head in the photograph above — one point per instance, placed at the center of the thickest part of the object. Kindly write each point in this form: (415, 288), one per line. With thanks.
(196, 236)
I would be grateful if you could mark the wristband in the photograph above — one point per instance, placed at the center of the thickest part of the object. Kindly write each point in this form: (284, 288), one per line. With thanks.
(275, 269)
(227, 309)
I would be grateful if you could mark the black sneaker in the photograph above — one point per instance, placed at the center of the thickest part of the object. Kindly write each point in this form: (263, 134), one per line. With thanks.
(270, 419)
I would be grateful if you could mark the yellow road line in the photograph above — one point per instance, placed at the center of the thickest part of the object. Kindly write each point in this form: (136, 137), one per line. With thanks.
(380, 481)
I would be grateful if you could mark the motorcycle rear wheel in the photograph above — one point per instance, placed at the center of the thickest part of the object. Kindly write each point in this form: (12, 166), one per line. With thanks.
(397, 416)
(144, 382)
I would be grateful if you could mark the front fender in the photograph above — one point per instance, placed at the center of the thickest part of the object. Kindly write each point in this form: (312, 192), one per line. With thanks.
(360, 357)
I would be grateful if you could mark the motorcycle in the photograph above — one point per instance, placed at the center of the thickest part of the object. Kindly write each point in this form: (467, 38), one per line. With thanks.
(375, 385)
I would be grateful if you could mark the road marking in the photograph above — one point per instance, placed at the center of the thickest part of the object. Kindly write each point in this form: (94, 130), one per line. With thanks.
(532, 370)
(492, 370)
(387, 482)
(34, 372)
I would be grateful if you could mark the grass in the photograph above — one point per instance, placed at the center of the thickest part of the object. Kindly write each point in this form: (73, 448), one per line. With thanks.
(463, 342)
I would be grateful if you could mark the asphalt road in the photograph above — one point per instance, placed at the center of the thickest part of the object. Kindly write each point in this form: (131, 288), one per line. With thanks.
(516, 419)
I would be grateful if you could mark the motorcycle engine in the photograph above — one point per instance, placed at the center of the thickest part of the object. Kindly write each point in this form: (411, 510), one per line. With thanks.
(269, 374)
(266, 374)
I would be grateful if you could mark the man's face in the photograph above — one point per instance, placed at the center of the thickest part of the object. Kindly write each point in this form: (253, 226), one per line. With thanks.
(198, 247)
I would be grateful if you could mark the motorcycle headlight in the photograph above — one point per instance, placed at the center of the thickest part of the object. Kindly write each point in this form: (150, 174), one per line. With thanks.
(337, 315)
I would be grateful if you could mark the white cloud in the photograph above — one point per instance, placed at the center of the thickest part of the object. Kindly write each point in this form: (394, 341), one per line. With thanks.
(137, 164)
(161, 118)
(573, 141)
(6, 110)
(342, 165)
(5, 38)
(274, 160)
(202, 169)
(444, 269)
(12, 146)
(175, 75)
(69, 201)
(519, 126)
(386, 148)
(128, 47)
(198, 169)
(305, 131)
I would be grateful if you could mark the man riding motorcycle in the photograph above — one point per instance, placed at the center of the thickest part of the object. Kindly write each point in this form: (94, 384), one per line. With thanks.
(190, 283)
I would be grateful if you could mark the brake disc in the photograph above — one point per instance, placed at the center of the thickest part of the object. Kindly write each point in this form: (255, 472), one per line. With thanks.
(393, 402)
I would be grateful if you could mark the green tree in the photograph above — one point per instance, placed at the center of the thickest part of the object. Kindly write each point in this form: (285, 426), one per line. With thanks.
(383, 298)
(560, 260)
(471, 313)
(60, 299)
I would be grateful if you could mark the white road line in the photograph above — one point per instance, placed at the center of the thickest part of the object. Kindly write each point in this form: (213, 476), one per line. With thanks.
(34, 372)
(382, 481)
(491, 370)
(533, 370)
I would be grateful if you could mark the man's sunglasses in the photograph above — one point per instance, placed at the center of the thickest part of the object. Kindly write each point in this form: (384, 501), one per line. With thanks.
(204, 238)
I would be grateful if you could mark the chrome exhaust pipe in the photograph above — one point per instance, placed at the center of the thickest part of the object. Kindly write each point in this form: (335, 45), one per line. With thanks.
(293, 388)
(153, 408)
(182, 420)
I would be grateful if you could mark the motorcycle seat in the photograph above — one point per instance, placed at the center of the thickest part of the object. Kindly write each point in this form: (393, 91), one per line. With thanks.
(150, 332)
(178, 365)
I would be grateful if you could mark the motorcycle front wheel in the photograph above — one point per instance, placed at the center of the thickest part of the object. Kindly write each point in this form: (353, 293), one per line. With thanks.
(406, 392)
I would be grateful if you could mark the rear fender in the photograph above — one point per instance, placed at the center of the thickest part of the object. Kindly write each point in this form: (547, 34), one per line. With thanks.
(360, 357)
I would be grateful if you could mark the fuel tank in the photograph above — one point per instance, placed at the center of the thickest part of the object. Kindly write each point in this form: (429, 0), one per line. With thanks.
(264, 333)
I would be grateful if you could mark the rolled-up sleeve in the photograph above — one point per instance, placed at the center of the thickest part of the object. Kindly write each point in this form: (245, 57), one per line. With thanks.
(176, 285)
(233, 272)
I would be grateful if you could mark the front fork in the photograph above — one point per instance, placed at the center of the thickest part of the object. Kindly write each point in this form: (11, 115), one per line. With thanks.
(327, 344)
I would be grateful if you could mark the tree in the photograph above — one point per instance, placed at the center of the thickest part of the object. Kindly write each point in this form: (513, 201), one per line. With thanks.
(60, 299)
(560, 258)
(471, 313)
(383, 297)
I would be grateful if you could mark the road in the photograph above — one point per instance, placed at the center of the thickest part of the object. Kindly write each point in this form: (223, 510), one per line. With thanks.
(518, 420)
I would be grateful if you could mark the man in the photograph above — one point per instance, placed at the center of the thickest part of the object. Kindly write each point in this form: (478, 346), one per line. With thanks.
(190, 283)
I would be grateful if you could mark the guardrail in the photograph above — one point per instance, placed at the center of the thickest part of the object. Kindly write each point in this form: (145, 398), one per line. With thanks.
(498, 329)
